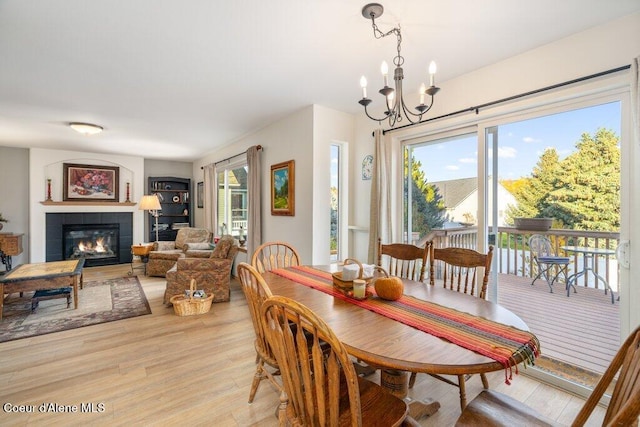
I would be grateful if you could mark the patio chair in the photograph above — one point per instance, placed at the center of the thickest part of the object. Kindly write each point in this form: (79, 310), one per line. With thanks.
(403, 260)
(322, 387)
(550, 266)
(491, 408)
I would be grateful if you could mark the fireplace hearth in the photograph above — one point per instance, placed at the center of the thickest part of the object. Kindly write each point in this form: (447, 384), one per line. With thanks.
(101, 238)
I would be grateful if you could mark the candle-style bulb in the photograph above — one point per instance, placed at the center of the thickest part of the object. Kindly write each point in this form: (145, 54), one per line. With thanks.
(384, 69)
(363, 85)
(423, 90)
(432, 72)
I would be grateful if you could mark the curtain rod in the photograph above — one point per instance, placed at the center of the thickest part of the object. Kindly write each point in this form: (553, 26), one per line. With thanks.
(511, 98)
(229, 158)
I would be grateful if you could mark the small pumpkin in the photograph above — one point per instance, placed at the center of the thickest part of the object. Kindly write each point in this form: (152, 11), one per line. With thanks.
(389, 288)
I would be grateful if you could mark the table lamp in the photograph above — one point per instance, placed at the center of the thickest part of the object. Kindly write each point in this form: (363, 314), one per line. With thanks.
(152, 204)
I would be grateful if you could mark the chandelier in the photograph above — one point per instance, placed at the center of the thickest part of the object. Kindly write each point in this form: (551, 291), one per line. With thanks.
(394, 98)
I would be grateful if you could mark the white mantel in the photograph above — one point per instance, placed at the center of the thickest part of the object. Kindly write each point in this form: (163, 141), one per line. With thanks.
(48, 164)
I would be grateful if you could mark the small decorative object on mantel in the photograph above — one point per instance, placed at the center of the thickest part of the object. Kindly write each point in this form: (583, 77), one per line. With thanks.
(2, 219)
(128, 192)
(48, 189)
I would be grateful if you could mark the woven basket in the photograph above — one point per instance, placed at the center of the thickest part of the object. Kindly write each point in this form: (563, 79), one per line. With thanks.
(184, 306)
(347, 285)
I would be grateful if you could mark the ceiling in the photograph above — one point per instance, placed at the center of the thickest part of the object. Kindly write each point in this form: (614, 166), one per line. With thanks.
(176, 79)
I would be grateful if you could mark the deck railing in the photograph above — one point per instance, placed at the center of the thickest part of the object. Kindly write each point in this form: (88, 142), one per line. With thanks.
(512, 254)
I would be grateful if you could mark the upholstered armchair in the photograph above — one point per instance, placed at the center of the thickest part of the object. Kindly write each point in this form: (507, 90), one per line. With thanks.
(165, 254)
(212, 274)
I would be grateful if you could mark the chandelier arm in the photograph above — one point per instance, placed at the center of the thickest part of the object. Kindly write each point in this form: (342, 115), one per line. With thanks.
(366, 111)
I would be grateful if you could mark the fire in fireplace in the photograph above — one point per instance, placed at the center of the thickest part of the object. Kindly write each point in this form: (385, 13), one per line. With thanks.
(96, 243)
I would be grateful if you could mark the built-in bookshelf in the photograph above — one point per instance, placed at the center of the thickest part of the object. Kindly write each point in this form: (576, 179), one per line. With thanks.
(175, 198)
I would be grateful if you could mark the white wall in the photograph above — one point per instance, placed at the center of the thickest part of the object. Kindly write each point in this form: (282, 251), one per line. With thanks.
(305, 137)
(44, 164)
(288, 139)
(14, 200)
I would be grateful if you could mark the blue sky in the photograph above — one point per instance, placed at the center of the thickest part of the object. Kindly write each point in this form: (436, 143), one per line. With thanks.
(519, 144)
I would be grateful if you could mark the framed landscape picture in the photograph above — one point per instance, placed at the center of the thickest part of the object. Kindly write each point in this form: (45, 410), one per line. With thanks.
(283, 189)
(87, 182)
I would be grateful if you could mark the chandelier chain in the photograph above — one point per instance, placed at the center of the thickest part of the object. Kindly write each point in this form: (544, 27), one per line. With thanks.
(378, 34)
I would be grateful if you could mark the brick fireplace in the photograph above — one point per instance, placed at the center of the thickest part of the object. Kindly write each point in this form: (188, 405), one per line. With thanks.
(101, 238)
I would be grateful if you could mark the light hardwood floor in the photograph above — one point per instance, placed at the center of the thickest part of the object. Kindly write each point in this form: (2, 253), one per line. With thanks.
(162, 369)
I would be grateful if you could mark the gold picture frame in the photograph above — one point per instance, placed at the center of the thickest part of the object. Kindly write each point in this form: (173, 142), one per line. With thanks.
(283, 188)
(87, 182)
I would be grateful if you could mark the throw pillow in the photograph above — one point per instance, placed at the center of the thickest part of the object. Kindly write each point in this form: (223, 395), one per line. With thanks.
(198, 246)
(164, 246)
(222, 249)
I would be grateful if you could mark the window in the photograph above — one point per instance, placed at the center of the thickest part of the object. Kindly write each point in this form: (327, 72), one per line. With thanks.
(232, 199)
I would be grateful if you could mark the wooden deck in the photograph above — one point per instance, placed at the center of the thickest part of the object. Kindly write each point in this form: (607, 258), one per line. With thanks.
(582, 330)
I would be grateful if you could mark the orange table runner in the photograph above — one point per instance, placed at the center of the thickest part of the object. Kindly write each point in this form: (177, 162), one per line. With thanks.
(499, 342)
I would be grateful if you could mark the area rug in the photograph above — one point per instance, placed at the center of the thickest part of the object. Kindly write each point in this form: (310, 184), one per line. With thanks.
(98, 302)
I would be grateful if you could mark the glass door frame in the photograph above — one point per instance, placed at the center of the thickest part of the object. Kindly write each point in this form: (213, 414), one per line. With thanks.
(578, 96)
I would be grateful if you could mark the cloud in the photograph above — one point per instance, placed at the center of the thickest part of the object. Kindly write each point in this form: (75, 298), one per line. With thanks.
(530, 139)
(507, 152)
(452, 168)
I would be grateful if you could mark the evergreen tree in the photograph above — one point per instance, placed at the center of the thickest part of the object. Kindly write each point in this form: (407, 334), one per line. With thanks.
(587, 192)
(581, 192)
(427, 206)
(532, 197)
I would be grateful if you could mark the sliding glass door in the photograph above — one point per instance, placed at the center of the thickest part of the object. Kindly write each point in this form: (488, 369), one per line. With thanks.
(466, 188)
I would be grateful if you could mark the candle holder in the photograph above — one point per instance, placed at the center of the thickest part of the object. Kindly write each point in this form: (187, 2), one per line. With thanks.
(128, 193)
(49, 190)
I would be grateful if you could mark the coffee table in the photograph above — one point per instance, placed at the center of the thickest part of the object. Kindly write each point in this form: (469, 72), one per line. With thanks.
(43, 275)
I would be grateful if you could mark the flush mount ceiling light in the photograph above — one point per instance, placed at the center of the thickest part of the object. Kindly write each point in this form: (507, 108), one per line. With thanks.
(394, 99)
(86, 128)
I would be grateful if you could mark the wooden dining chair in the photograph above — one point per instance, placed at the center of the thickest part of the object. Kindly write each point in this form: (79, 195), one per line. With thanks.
(272, 255)
(403, 260)
(457, 269)
(321, 387)
(257, 291)
(491, 408)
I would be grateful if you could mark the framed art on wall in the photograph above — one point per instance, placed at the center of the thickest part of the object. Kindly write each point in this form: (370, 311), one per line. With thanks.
(87, 182)
(283, 188)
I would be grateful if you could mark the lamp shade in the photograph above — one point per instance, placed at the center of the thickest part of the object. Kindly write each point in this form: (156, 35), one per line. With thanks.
(149, 203)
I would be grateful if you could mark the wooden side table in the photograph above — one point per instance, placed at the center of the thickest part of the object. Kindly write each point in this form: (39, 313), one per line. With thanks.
(140, 257)
(10, 245)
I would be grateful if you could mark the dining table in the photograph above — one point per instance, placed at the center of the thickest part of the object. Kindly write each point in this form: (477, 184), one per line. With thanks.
(400, 343)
